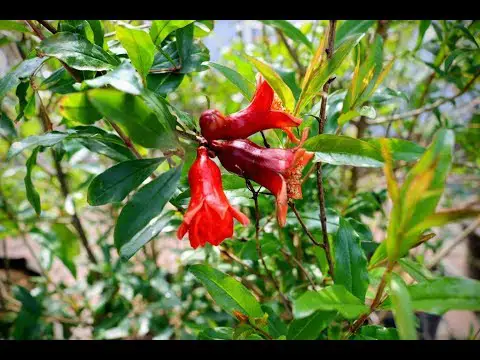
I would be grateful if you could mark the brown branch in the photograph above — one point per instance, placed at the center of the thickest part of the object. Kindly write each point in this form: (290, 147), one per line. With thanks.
(292, 53)
(304, 227)
(321, 126)
(47, 26)
(35, 29)
(299, 264)
(285, 301)
(430, 107)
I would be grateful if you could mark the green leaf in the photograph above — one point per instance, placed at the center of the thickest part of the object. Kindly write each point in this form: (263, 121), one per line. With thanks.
(26, 326)
(145, 205)
(139, 46)
(60, 82)
(77, 52)
(160, 29)
(402, 309)
(415, 270)
(440, 295)
(331, 298)
(98, 31)
(13, 25)
(7, 129)
(76, 107)
(321, 74)
(467, 33)
(191, 55)
(131, 112)
(23, 70)
(400, 149)
(367, 111)
(245, 86)
(350, 261)
(80, 27)
(455, 55)
(47, 139)
(343, 150)
(102, 142)
(276, 327)
(227, 292)
(350, 27)
(309, 328)
(420, 193)
(163, 84)
(275, 81)
(379, 332)
(444, 217)
(219, 333)
(114, 184)
(61, 242)
(123, 78)
(154, 227)
(32, 194)
(422, 29)
(289, 30)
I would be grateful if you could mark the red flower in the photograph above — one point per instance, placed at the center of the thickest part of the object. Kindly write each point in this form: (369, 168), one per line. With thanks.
(264, 112)
(278, 170)
(209, 217)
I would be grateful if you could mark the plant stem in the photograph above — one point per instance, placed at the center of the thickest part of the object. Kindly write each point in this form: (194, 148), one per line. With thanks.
(285, 301)
(321, 126)
(47, 26)
(299, 264)
(264, 333)
(292, 53)
(304, 227)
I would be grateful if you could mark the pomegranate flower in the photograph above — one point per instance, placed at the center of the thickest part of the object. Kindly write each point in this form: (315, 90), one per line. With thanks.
(278, 170)
(209, 217)
(264, 112)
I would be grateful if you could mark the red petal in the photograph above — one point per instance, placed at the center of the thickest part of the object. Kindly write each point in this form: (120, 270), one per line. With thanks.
(241, 217)
(263, 97)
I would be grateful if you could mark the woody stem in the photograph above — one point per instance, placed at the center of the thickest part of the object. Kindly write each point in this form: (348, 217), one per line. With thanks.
(321, 125)
(285, 301)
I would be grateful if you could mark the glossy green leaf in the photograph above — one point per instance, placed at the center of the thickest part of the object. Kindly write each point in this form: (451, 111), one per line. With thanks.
(309, 328)
(367, 111)
(218, 333)
(154, 227)
(47, 139)
(227, 292)
(163, 84)
(80, 27)
(114, 184)
(415, 270)
(146, 204)
(77, 52)
(191, 54)
(160, 29)
(246, 87)
(331, 298)
(467, 34)
(131, 112)
(275, 81)
(322, 73)
(10, 25)
(350, 27)
(22, 71)
(276, 327)
(350, 261)
(77, 108)
(402, 309)
(400, 149)
(61, 242)
(139, 46)
(422, 29)
(343, 150)
(379, 332)
(98, 31)
(60, 82)
(33, 196)
(289, 30)
(7, 129)
(123, 78)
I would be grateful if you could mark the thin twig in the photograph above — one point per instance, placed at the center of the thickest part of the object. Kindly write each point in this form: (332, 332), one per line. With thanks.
(321, 125)
(292, 53)
(458, 240)
(430, 107)
(47, 26)
(304, 227)
(285, 301)
(299, 264)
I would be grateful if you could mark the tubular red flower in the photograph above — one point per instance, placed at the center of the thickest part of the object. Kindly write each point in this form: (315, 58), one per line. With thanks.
(264, 112)
(209, 217)
(278, 170)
